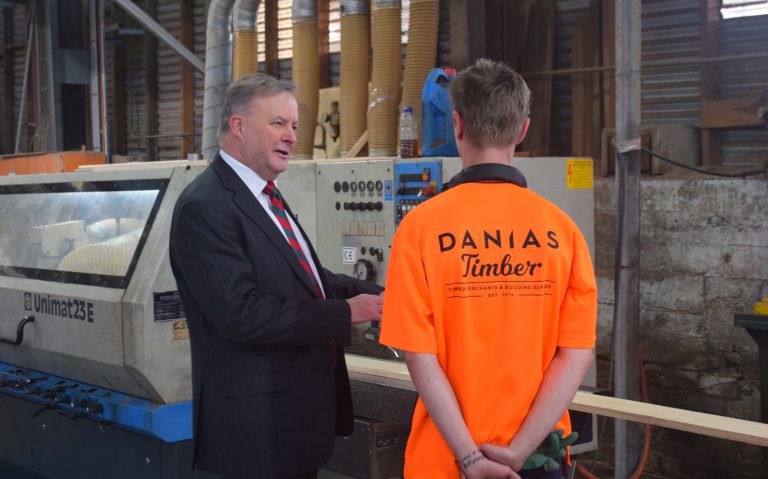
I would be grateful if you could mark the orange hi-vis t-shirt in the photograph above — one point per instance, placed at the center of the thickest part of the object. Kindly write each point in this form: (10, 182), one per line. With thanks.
(492, 278)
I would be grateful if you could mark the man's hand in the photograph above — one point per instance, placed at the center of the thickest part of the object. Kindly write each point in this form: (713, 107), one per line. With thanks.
(487, 469)
(503, 455)
(365, 307)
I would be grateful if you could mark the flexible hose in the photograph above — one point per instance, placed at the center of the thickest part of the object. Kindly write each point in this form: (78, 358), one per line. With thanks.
(306, 76)
(385, 79)
(420, 54)
(354, 73)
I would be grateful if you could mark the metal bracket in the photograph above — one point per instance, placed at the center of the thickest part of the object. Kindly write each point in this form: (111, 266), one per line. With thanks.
(19, 331)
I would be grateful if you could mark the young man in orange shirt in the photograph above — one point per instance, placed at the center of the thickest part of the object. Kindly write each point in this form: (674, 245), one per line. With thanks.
(491, 293)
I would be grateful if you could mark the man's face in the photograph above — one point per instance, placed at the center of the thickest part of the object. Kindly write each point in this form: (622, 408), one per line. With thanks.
(268, 134)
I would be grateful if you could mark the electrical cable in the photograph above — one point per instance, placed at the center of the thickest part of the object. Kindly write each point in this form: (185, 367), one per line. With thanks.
(647, 439)
(742, 174)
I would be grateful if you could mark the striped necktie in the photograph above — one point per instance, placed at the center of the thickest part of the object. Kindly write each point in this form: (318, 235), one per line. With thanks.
(277, 206)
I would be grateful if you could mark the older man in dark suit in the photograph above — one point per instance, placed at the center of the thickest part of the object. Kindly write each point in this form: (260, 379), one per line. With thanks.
(266, 321)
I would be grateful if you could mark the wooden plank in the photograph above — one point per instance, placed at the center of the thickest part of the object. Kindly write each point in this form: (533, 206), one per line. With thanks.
(709, 37)
(540, 53)
(358, 146)
(143, 165)
(739, 430)
(270, 38)
(585, 89)
(609, 58)
(730, 113)
(187, 79)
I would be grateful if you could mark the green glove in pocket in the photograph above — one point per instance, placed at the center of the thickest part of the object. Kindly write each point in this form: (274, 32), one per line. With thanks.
(550, 451)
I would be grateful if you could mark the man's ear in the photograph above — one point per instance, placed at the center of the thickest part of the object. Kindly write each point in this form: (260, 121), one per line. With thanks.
(523, 130)
(458, 125)
(237, 126)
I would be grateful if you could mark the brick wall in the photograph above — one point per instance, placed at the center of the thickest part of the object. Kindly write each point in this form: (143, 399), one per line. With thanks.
(704, 257)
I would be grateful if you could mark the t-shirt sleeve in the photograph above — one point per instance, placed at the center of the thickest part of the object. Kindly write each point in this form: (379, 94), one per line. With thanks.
(407, 321)
(578, 311)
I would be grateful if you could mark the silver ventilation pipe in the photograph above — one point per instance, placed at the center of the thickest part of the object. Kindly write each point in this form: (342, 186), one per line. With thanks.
(218, 67)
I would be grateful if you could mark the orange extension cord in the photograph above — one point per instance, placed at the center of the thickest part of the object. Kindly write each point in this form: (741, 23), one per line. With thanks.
(647, 443)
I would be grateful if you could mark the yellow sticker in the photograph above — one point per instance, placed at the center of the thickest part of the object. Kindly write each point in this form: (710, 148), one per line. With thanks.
(180, 330)
(579, 174)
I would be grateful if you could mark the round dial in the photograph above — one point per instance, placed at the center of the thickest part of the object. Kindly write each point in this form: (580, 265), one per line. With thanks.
(364, 270)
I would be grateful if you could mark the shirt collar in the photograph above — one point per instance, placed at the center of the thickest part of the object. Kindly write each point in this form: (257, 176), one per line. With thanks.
(252, 180)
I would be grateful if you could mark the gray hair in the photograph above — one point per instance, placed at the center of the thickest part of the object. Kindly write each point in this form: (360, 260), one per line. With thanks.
(242, 91)
(493, 100)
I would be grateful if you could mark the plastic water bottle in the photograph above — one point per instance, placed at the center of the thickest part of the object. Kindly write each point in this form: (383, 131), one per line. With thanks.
(409, 135)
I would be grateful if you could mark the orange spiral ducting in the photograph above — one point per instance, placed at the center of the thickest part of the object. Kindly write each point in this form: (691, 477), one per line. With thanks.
(244, 53)
(306, 77)
(244, 39)
(385, 79)
(354, 72)
(420, 54)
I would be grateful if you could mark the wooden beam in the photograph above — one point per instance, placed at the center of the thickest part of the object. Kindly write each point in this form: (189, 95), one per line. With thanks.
(323, 16)
(709, 37)
(187, 99)
(8, 136)
(730, 113)
(739, 430)
(150, 83)
(272, 66)
(585, 88)
(517, 27)
(117, 117)
(609, 58)
(540, 55)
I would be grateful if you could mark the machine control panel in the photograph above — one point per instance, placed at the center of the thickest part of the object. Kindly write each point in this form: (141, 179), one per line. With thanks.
(416, 182)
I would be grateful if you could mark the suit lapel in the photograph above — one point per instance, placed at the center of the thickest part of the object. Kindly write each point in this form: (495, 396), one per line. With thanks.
(251, 208)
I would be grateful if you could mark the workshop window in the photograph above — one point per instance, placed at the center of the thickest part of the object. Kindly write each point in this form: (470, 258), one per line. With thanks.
(743, 8)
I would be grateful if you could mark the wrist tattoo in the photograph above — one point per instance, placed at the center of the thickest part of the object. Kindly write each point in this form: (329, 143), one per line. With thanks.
(470, 459)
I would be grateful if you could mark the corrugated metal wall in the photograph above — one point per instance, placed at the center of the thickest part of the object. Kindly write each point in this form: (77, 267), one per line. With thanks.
(671, 95)
(744, 79)
(670, 31)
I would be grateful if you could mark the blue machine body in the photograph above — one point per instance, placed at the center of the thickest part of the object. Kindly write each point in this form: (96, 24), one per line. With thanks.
(168, 422)
(438, 136)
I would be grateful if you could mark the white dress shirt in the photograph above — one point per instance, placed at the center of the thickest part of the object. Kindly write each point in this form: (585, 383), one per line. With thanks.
(256, 184)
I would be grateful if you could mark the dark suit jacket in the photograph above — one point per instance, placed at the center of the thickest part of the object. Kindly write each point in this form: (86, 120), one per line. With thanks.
(268, 393)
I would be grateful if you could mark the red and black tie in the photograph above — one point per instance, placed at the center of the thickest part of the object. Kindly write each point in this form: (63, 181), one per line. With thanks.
(277, 206)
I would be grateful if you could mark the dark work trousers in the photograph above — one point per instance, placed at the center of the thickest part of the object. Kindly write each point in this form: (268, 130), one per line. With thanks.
(540, 473)
(306, 475)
